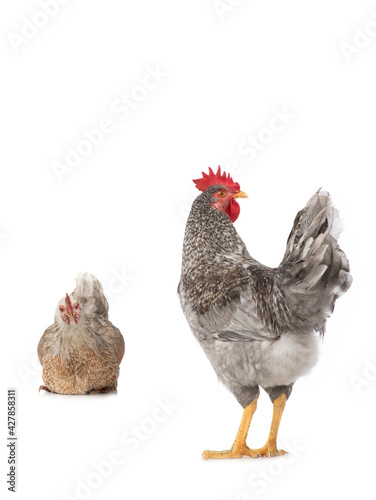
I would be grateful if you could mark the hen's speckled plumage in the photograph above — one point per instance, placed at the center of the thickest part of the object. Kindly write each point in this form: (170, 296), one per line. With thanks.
(257, 325)
(84, 357)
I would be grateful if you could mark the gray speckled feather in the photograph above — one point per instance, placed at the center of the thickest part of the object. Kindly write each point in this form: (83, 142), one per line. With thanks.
(256, 324)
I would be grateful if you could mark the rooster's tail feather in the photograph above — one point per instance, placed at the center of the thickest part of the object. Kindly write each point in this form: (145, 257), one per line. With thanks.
(316, 270)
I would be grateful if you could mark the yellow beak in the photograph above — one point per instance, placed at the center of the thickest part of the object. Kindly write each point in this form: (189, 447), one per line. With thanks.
(241, 194)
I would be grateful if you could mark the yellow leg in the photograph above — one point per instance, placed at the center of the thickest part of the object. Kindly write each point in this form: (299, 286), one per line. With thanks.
(238, 449)
(270, 448)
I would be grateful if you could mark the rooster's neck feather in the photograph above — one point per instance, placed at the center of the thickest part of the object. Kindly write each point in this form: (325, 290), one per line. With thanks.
(213, 253)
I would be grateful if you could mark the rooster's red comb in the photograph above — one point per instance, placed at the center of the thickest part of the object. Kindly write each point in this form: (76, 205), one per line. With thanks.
(218, 178)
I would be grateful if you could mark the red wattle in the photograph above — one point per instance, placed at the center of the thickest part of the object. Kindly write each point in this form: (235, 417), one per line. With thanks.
(233, 210)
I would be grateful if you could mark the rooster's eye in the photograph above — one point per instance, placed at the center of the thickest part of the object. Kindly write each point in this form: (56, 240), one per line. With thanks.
(61, 308)
(221, 194)
(76, 306)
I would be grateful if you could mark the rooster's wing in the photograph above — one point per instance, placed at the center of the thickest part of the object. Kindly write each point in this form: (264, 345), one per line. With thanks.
(257, 311)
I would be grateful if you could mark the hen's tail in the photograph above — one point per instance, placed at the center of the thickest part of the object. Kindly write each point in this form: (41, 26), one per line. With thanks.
(89, 294)
(315, 270)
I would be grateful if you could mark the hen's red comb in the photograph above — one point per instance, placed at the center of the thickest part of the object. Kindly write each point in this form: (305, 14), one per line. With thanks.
(218, 178)
(68, 303)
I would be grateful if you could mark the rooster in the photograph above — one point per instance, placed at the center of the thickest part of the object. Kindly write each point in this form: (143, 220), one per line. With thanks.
(258, 325)
(81, 352)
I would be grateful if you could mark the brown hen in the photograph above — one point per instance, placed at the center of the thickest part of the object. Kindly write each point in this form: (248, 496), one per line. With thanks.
(81, 352)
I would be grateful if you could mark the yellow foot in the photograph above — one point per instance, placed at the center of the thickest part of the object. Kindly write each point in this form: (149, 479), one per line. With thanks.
(43, 388)
(269, 450)
(103, 391)
(233, 453)
(238, 449)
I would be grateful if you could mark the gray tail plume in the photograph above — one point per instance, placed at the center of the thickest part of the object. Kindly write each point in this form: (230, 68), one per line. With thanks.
(89, 293)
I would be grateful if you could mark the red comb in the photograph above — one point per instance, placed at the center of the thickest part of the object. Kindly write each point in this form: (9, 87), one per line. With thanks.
(218, 178)
(68, 303)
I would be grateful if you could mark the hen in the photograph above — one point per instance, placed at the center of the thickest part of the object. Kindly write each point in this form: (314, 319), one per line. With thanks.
(81, 352)
(257, 325)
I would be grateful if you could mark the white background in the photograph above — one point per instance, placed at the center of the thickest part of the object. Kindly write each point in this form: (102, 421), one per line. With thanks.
(123, 210)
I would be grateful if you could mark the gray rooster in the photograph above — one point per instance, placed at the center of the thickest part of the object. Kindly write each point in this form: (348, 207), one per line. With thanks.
(257, 325)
